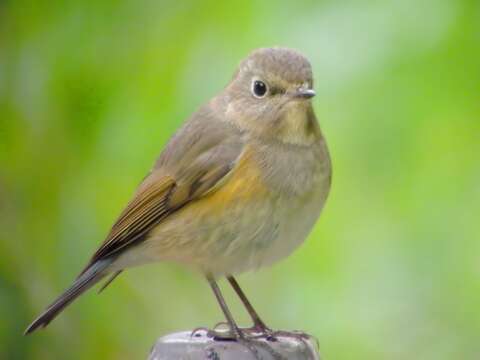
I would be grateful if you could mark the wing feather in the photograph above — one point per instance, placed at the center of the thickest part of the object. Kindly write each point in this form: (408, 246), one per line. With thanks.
(148, 206)
(197, 161)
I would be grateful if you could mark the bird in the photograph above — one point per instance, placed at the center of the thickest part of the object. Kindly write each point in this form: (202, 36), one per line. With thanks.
(238, 187)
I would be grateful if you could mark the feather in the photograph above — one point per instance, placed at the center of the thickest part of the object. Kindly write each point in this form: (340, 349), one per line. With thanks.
(109, 281)
(84, 282)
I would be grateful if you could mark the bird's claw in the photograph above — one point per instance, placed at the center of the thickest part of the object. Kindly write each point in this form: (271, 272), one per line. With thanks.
(250, 336)
(196, 332)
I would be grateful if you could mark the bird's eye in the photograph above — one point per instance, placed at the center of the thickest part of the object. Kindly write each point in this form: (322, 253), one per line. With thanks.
(259, 88)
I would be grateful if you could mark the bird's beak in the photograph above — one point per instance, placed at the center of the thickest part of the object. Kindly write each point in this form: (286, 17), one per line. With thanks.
(304, 93)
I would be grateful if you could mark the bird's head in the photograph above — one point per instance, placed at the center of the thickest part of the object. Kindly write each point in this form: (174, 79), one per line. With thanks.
(270, 96)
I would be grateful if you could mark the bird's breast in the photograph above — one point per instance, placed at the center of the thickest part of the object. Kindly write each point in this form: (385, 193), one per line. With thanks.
(248, 221)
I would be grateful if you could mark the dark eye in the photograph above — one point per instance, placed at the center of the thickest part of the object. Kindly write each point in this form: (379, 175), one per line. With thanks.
(259, 88)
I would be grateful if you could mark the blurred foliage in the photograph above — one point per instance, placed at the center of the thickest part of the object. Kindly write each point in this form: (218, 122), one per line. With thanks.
(91, 91)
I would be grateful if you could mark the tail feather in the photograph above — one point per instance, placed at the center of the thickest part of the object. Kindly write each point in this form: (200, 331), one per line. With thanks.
(84, 282)
(109, 281)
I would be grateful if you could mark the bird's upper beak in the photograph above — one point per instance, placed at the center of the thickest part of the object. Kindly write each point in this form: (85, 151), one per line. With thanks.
(304, 93)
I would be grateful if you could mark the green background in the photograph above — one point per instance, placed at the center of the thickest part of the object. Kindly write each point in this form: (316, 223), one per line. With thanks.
(91, 91)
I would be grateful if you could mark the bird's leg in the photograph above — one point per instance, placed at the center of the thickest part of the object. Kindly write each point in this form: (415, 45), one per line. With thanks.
(236, 333)
(258, 324)
(223, 305)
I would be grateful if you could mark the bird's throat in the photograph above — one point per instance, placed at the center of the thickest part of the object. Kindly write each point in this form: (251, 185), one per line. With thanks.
(298, 124)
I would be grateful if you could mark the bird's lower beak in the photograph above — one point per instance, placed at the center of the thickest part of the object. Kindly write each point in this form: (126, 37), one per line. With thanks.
(304, 93)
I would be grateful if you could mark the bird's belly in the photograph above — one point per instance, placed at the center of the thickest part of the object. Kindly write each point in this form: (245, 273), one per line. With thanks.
(238, 238)
(242, 226)
(222, 238)
(298, 216)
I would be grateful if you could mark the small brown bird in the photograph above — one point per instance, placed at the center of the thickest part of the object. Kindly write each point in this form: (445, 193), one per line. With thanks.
(238, 187)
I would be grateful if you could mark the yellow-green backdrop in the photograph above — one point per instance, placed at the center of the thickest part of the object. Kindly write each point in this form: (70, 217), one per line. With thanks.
(90, 91)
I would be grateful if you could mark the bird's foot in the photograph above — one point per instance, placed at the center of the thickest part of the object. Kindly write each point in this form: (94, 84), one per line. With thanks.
(257, 331)
(299, 335)
(197, 331)
(223, 332)
(261, 331)
(251, 337)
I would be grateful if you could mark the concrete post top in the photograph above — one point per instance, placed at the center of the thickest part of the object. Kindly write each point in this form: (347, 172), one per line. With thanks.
(184, 346)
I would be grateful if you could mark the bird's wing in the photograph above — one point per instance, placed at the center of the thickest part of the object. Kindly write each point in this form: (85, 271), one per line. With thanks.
(194, 163)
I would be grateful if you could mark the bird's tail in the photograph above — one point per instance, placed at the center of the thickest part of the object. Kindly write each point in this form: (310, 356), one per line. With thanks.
(85, 281)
